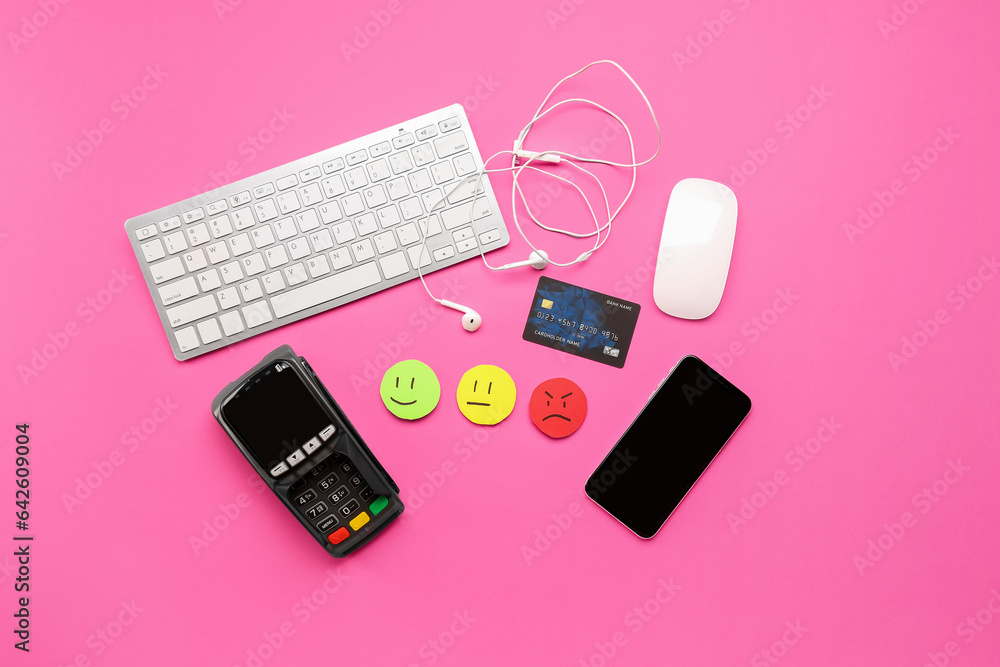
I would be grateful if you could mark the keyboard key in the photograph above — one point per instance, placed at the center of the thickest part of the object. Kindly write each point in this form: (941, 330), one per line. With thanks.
(400, 162)
(411, 208)
(288, 202)
(217, 252)
(489, 236)
(229, 298)
(276, 256)
(318, 266)
(253, 264)
(333, 186)
(195, 260)
(442, 172)
(167, 270)
(240, 199)
(145, 232)
(447, 125)
(331, 287)
(295, 274)
(421, 253)
(220, 226)
(402, 140)
(273, 282)
(426, 132)
(394, 265)
(175, 242)
(330, 212)
(231, 322)
(187, 339)
(397, 188)
(209, 331)
(419, 180)
(265, 190)
(298, 248)
(422, 154)
(217, 207)
(451, 144)
(209, 280)
(311, 194)
(192, 310)
(153, 250)
(459, 215)
(169, 223)
(467, 245)
(380, 149)
(256, 314)
(462, 234)
(408, 234)
(366, 224)
(262, 236)
(340, 258)
(285, 229)
(378, 171)
(388, 216)
(265, 210)
(307, 220)
(444, 253)
(243, 218)
(344, 232)
(193, 215)
(430, 226)
(178, 291)
(385, 242)
(465, 164)
(363, 250)
(240, 244)
(321, 240)
(231, 272)
(310, 174)
(357, 157)
(464, 190)
(251, 290)
(375, 196)
(333, 165)
(286, 182)
(355, 178)
(353, 204)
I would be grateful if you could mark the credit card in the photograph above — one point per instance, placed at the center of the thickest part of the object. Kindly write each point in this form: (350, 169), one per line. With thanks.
(580, 321)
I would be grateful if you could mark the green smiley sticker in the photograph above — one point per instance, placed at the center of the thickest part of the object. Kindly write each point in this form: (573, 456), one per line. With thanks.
(410, 389)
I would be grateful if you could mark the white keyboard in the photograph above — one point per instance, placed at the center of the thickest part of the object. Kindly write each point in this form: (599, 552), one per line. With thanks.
(316, 233)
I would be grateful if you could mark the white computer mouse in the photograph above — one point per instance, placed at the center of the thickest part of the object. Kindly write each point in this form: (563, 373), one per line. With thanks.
(695, 248)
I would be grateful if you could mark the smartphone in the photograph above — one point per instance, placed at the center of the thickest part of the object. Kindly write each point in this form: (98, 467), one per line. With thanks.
(301, 443)
(678, 433)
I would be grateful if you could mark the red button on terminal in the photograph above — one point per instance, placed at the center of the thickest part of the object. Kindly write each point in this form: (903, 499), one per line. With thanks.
(338, 535)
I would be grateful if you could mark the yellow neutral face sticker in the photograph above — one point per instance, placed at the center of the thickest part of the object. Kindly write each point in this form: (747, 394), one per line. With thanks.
(410, 389)
(486, 394)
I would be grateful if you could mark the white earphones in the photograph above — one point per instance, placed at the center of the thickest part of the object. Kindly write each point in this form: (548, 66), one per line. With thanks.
(470, 318)
(539, 259)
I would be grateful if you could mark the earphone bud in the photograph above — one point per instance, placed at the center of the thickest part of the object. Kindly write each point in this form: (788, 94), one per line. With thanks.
(470, 319)
(538, 259)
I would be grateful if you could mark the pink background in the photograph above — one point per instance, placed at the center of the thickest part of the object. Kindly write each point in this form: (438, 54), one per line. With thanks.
(789, 581)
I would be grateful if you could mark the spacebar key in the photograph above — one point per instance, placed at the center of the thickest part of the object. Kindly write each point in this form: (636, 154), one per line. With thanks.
(331, 287)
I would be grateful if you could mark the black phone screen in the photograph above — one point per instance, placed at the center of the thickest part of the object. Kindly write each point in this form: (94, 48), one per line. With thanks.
(274, 414)
(668, 446)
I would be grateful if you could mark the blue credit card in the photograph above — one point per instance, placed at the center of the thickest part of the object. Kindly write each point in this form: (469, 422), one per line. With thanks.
(581, 321)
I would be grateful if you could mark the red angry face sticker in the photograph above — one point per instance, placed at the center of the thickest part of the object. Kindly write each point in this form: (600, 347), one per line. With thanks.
(557, 407)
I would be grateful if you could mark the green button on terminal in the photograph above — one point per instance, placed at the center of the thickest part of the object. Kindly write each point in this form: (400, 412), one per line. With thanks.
(378, 504)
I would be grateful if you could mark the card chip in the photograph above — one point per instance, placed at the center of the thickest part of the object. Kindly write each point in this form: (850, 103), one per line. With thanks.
(547, 304)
